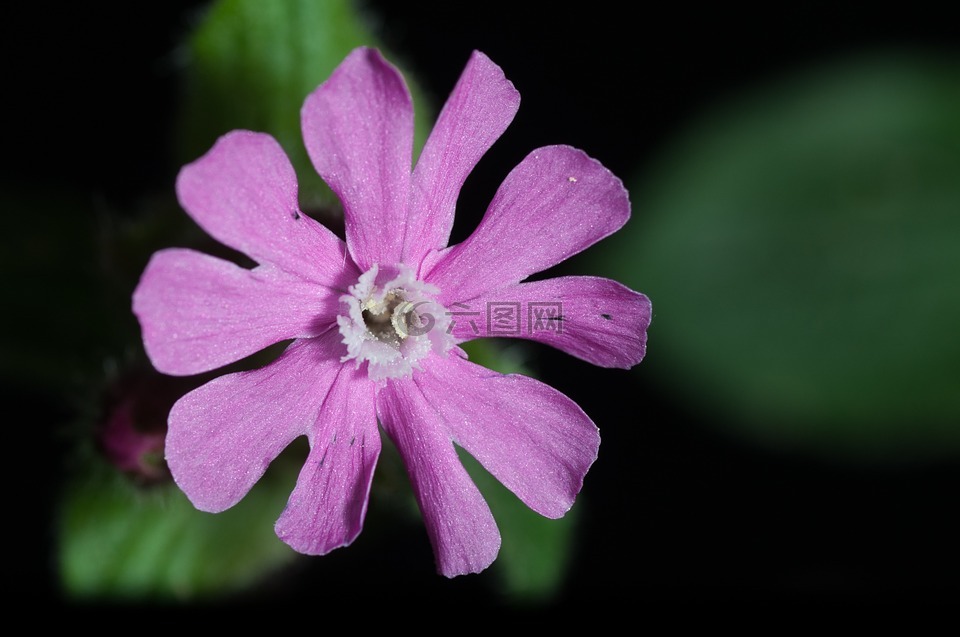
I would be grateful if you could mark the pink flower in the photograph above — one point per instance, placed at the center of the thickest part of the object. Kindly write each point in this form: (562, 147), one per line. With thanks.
(377, 320)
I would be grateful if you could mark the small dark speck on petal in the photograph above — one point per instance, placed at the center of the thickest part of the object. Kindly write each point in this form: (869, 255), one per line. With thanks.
(607, 316)
(296, 214)
(353, 440)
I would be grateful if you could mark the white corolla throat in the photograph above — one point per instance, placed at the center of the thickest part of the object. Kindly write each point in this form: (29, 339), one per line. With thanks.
(393, 324)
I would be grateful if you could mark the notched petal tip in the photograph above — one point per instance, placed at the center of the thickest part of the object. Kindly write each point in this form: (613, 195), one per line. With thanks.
(477, 563)
(481, 61)
(643, 301)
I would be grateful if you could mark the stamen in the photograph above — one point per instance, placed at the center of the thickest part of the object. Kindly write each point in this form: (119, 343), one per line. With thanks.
(400, 319)
(387, 320)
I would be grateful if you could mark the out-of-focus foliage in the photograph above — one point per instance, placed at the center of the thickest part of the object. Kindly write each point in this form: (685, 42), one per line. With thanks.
(121, 541)
(801, 247)
(251, 64)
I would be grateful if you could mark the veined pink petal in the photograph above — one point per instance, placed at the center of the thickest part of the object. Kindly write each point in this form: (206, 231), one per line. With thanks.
(358, 130)
(555, 203)
(462, 530)
(481, 106)
(327, 507)
(223, 435)
(198, 312)
(243, 192)
(596, 319)
(537, 442)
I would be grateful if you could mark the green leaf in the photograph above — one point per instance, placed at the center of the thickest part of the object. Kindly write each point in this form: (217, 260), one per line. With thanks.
(535, 551)
(800, 247)
(502, 355)
(120, 541)
(251, 65)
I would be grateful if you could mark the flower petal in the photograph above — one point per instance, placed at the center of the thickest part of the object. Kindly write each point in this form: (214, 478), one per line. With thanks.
(555, 203)
(479, 109)
(462, 530)
(537, 442)
(243, 192)
(358, 130)
(198, 312)
(223, 435)
(328, 505)
(596, 319)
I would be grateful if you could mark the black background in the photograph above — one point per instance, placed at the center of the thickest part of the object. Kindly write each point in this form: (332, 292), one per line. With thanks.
(674, 510)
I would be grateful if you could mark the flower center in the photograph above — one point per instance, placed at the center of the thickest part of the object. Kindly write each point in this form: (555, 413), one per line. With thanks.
(392, 323)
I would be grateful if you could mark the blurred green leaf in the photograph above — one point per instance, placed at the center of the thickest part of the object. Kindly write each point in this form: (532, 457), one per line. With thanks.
(801, 247)
(251, 65)
(535, 551)
(119, 541)
(507, 356)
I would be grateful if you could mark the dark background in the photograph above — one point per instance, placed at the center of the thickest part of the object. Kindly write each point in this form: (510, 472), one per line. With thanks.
(674, 509)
